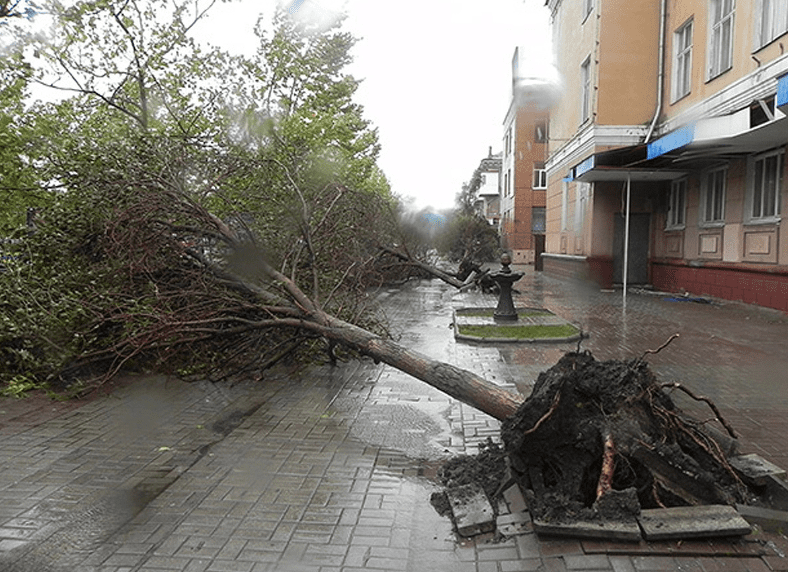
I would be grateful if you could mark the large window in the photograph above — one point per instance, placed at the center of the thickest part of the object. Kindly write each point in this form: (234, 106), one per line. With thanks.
(767, 185)
(585, 90)
(713, 204)
(677, 202)
(682, 62)
(721, 36)
(771, 21)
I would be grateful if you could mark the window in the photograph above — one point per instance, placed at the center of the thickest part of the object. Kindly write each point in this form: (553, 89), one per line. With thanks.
(540, 133)
(767, 185)
(682, 67)
(585, 90)
(564, 204)
(581, 200)
(538, 220)
(721, 46)
(588, 5)
(540, 176)
(509, 141)
(676, 204)
(511, 182)
(713, 204)
(771, 21)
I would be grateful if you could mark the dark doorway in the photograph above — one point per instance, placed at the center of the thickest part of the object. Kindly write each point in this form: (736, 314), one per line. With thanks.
(638, 248)
(538, 251)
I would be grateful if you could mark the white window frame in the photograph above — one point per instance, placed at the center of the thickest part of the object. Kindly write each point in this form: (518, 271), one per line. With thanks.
(771, 21)
(588, 7)
(677, 205)
(510, 183)
(721, 31)
(582, 192)
(585, 90)
(539, 180)
(768, 210)
(564, 205)
(712, 205)
(682, 60)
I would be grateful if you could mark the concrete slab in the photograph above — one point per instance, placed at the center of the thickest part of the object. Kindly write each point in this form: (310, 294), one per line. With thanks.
(768, 519)
(626, 531)
(514, 524)
(514, 499)
(776, 492)
(755, 469)
(472, 512)
(692, 522)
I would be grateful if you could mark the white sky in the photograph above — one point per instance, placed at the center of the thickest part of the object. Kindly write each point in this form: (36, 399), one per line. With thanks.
(436, 77)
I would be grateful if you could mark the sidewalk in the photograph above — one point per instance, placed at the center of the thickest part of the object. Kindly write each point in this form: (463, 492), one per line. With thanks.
(332, 470)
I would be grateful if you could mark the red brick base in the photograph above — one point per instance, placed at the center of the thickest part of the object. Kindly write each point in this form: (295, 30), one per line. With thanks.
(751, 284)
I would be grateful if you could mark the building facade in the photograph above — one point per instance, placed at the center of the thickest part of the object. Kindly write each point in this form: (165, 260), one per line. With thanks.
(523, 175)
(486, 188)
(666, 161)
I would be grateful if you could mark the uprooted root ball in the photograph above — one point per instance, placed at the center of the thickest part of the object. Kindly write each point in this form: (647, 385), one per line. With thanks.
(604, 439)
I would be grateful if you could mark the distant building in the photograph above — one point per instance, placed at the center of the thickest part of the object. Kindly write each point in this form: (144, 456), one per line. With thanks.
(523, 174)
(671, 130)
(485, 186)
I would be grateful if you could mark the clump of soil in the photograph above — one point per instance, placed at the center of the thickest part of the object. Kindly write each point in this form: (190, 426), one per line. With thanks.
(604, 439)
(485, 469)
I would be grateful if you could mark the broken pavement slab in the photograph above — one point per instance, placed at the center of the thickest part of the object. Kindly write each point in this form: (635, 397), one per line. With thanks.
(692, 522)
(514, 499)
(755, 469)
(514, 524)
(627, 531)
(473, 513)
(768, 519)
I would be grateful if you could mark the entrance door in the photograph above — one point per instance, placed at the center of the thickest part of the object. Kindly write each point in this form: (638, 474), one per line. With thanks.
(538, 251)
(638, 248)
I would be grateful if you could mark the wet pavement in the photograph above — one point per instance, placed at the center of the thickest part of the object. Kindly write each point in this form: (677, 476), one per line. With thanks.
(331, 470)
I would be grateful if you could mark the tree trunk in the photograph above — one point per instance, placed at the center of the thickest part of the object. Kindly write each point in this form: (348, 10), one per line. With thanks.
(454, 381)
(449, 279)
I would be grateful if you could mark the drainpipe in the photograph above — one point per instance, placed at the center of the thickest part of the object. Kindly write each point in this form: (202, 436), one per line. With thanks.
(661, 74)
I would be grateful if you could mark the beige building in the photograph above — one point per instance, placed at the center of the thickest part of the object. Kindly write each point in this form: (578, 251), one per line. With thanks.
(666, 159)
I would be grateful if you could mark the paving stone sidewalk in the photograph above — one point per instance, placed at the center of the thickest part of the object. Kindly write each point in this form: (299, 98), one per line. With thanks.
(332, 470)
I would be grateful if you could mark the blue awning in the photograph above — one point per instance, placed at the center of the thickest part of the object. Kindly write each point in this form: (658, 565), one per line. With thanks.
(678, 138)
(781, 100)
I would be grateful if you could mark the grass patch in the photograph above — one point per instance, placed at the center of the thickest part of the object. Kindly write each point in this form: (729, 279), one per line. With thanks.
(489, 312)
(532, 332)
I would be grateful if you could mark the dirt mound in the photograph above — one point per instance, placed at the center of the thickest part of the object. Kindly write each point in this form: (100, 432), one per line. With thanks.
(485, 469)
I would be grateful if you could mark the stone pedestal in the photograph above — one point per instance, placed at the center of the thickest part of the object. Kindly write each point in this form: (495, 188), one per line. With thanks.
(505, 311)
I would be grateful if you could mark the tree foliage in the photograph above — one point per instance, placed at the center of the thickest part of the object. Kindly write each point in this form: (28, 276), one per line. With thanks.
(193, 199)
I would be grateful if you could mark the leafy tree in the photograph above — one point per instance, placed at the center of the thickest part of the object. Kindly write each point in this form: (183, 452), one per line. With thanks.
(109, 254)
(208, 240)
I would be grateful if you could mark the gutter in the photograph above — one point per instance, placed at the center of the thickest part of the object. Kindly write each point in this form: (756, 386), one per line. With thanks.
(661, 75)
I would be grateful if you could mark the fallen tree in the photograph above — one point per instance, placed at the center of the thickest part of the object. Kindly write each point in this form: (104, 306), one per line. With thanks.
(154, 278)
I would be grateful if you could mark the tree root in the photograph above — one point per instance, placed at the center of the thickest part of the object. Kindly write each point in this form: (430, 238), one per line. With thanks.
(544, 417)
(605, 482)
(728, 428)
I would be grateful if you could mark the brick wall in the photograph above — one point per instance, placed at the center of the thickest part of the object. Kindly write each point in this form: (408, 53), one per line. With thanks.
(745, 284)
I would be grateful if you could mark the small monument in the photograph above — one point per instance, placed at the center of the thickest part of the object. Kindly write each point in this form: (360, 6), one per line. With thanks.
(505, 311)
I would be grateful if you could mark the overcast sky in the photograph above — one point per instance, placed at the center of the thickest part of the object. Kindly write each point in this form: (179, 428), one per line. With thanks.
(436, 77)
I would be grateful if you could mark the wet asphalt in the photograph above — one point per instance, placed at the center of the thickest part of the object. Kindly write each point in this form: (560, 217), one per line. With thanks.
(331, 469)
